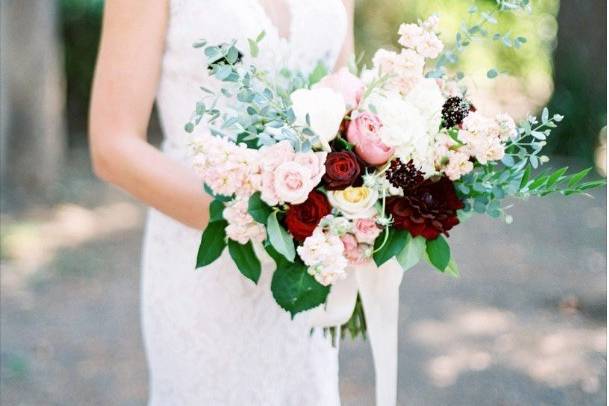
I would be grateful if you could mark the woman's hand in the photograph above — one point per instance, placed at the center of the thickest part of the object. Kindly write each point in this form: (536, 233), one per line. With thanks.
(124, 89)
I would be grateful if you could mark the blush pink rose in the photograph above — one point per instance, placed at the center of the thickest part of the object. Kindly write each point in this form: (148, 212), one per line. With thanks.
(347, 84)
(353, 252)
(363, 133)
(366, 230)
(292, 182)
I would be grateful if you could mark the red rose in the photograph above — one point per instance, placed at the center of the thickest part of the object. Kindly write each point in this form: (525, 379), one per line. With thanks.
(301, 219)
(342, 170)
(428, 210)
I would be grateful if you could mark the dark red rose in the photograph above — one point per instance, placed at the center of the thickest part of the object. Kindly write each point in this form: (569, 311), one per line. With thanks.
(428, 210)
(342, 170)
(301, 219)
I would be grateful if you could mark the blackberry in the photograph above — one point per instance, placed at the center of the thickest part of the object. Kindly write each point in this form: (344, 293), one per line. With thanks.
(405, 176)
(455, 109)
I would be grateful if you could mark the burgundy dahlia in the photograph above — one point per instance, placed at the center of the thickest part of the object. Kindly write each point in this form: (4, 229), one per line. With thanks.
(428, 210)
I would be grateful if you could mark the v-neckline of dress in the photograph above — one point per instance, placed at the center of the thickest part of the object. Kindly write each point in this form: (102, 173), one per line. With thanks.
(284, 37)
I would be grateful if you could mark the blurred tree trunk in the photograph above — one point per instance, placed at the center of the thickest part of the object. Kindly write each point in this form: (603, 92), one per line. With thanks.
(32, 133)
(580, 75)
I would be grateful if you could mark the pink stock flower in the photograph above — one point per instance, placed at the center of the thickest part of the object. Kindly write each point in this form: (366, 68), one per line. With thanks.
(363, 133)
(241, 226)
(366, 230)
(347, 84)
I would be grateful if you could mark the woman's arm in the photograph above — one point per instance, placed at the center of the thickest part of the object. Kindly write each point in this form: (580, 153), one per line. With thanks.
(124, 88)
(348, 48)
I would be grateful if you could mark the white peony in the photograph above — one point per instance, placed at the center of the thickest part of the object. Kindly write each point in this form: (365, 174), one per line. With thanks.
(427, 97)
(326, 110)
(403, 126)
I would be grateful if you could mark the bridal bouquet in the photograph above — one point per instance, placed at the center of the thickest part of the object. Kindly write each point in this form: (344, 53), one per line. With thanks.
(327, 172)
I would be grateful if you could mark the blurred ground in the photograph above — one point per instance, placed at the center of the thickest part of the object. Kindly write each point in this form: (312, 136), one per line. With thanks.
(524, 325)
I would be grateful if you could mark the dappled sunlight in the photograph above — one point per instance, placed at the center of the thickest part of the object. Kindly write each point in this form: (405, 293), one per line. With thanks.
(27, 246)
(475, 339)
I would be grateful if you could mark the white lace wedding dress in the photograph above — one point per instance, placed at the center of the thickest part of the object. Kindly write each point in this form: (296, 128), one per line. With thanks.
(212, 337)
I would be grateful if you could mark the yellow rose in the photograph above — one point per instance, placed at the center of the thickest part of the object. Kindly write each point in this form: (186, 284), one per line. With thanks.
(354, 202)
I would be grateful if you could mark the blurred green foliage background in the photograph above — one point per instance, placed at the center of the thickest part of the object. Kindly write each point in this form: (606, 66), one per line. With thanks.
(562, 64)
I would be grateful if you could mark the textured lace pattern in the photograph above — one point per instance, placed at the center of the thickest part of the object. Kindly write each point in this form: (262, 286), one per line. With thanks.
(212, 337)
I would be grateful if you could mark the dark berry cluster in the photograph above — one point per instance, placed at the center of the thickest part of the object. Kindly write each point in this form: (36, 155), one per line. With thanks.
(404, 175)
(455, 110)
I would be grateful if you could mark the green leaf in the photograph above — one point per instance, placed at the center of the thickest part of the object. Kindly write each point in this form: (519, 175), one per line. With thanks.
(556, 176)
(221, 198)
(412, 252)
(212, 244)
(279, 238)
(452, 269)
(318, 73)
(246, 260)
(295, 290)
(525, 177)
(576, 178)
(396, 240)
(438, 252)
(216, 208)
(258, 209)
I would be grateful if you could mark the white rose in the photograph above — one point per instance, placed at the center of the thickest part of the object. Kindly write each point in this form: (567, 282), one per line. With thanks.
(326, 110)
(354, 202)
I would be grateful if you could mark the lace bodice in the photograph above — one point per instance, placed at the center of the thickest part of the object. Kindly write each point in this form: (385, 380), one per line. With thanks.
(317, 32)
(213, 337)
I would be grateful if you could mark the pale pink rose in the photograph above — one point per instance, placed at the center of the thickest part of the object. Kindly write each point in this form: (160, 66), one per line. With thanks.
(292, 182)
(366, 231)
(347, 84)
(315, 162)
(363, 133)
(353, 251)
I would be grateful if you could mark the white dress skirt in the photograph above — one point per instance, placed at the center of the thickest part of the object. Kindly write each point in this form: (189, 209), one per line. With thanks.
(212, 337)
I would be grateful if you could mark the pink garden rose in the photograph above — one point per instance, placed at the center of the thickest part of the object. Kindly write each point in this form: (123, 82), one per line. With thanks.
(345, 83)
(366, 230)
(286, 176)
(363, 133)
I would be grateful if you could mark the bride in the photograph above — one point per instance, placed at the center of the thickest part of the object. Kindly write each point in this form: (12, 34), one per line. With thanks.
(211, 336)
